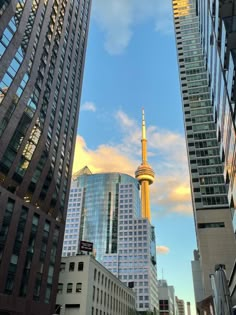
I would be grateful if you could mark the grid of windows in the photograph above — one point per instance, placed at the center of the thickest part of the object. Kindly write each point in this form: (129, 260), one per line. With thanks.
(54, 69)
(206, 84)
(204, 155)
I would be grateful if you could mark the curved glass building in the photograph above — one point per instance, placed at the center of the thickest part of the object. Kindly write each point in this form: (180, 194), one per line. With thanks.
(96, 200)
(105, 209)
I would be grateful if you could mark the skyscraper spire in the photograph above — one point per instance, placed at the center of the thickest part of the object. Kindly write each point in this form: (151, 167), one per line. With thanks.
(145, 174)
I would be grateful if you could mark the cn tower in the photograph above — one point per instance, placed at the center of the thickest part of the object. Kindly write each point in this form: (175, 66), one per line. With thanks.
(145, 174)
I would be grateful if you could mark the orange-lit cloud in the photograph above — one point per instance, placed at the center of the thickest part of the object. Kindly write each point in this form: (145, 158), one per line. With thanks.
(163, 250)
(181, 193)
(104, 159)
(172, 193)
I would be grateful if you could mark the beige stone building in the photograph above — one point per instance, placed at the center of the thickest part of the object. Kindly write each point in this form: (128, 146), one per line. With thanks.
(86, 287)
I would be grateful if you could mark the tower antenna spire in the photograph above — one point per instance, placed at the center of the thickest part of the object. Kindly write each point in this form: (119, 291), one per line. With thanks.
(143, 125)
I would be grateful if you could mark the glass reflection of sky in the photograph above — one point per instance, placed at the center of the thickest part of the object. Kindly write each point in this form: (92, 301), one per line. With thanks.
(100, 209)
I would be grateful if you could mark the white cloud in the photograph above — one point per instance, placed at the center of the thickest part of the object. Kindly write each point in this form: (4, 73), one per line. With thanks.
(117, 19)
(125, 121)
(167, 155)
(164, 21)
(88, 106)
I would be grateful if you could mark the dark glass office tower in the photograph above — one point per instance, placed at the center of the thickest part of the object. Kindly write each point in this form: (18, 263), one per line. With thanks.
(42, 52)
(205, 40)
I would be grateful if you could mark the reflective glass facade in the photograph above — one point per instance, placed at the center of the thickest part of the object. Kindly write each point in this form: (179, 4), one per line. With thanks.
(42, 52)
(105, 209)
(202, 52)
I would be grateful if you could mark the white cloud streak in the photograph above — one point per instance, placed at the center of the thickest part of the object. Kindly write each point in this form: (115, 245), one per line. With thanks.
(88, 106)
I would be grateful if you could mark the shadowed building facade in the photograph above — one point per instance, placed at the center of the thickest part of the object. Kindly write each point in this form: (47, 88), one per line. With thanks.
(42, 51)
(205, 39)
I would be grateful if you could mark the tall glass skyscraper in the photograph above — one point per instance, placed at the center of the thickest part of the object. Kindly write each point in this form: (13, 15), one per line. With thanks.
(207, 71)
(42, 52)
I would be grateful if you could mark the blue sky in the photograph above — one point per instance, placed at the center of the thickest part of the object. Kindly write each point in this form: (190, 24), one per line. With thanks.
(131, 63)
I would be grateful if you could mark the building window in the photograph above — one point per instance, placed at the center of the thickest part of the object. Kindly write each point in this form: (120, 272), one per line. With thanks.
(69, 287)
(101, 297)
(93, 293)
(72, 266)
(97, 295)
(78, 287)
(63, 266)
(164, 305)
(211, 225)
(9, 284)
(80, 266)
(48, 294)
(60, 288)
(95, 274)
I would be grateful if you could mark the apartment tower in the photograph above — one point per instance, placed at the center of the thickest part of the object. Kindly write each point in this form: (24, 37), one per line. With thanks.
(42, 52)
(206, 86)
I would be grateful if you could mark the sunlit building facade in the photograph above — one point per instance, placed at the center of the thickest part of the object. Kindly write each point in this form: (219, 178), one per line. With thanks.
(42, 52)
(207, 73)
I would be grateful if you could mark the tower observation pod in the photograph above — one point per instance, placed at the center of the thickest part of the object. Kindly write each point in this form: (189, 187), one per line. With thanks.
(145, 174)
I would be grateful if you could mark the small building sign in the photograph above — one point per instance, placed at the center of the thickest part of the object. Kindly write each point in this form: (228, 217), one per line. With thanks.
(86, 246)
